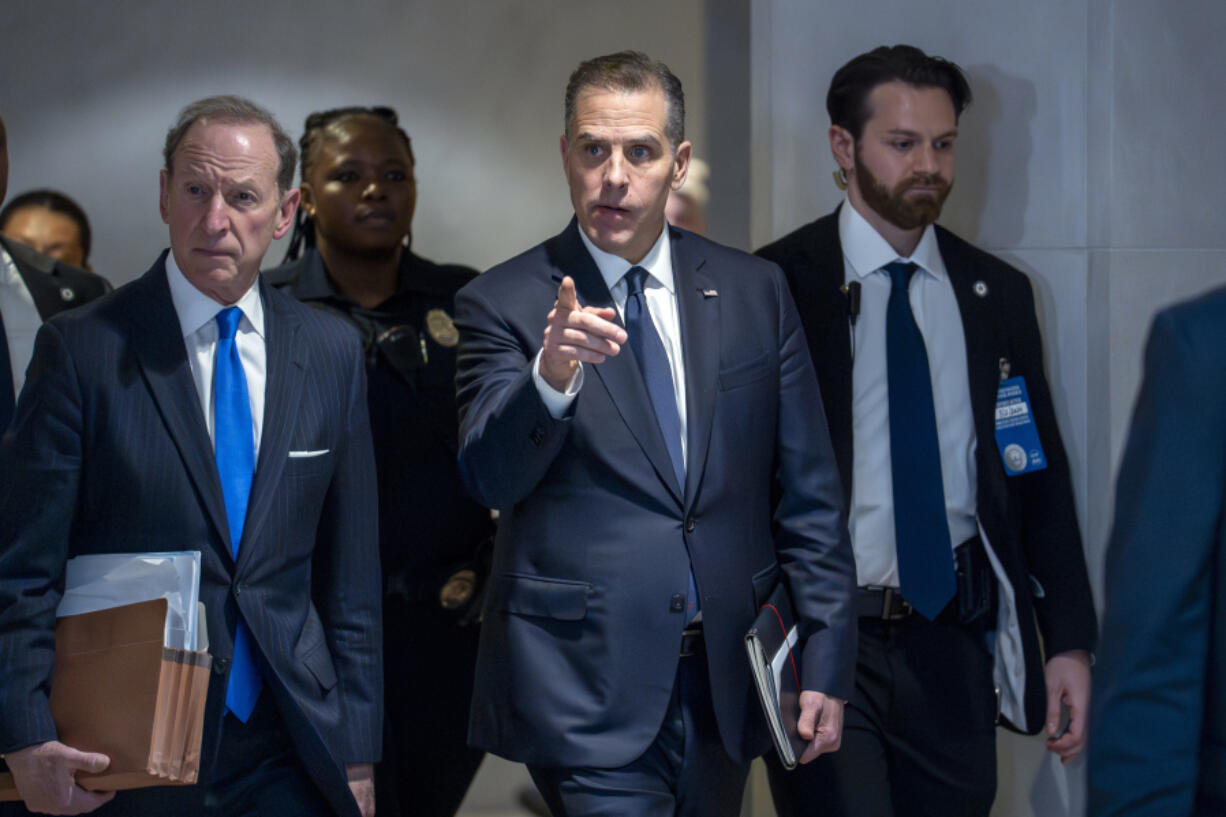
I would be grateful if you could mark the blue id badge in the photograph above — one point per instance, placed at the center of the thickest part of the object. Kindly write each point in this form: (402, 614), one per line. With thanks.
(1016, 435)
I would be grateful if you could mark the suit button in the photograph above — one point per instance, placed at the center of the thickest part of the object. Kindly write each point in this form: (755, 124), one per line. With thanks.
(238, 590)
(537, 435)
(676, 604)
(689, 525)
(220, 665)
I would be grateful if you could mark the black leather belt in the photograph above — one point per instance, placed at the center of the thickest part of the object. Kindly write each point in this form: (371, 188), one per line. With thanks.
(885, 603)
(691, 640)
(975, 598)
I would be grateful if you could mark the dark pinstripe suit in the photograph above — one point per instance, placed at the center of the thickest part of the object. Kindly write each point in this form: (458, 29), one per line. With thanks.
(110, 453)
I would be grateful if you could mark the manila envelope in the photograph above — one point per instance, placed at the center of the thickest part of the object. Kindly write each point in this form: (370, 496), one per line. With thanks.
(116, 689)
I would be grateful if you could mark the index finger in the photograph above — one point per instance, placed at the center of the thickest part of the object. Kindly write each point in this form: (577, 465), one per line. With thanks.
(567, 297)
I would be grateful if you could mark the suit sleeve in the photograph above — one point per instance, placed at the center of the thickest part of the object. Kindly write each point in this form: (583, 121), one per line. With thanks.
(1049, 531)
(40, 466)
(1149, 683)
(508, 439)
(811, 537)
(349, 601)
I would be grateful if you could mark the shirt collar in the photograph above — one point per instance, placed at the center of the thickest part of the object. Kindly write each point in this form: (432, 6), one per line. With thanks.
(416, 275)
(196, 310)
(658, 262)
(867, 251)
(8, 267)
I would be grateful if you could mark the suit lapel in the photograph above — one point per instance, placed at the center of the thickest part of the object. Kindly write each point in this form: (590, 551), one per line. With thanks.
(285, 373)
(620, 374)
(824, 308)
(700, 333)
(38, 273)
(157, 339)
(979, 325)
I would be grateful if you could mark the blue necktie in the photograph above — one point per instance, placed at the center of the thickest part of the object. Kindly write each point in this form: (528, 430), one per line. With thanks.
(7, 397)
(235, 452)
(921, 529)
(658, 377)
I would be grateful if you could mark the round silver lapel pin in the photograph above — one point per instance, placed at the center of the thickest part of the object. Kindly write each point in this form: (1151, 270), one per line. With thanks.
(981, 289)
(67, 294)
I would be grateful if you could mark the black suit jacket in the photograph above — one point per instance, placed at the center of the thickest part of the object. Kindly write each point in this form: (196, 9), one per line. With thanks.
(428, 525)
(1158, 729)
(1029, 519)
(54, 285)
(109, 453)
(579, 646)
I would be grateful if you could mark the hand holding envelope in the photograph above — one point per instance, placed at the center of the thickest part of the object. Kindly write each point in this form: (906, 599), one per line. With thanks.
(47, 772)
(128, 687)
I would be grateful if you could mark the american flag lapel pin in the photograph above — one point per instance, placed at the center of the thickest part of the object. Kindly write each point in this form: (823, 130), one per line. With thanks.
(710, 293)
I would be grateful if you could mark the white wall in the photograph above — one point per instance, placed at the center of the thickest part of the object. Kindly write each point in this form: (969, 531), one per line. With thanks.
(91, 88)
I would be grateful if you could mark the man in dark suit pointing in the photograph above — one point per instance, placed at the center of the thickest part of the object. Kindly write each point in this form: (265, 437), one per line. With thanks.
(961, 516)
(198, 409)
(635, 449)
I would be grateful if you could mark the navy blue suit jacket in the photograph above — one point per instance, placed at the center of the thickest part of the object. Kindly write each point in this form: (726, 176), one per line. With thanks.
(1158, 725)
(109, 453)
(1029, 519)
(579, 646)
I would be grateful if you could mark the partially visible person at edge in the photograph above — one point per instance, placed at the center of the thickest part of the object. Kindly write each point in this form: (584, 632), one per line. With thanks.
(33, 287)
(687, 205)
(350, 255)
(1158, 722)
(51, 223)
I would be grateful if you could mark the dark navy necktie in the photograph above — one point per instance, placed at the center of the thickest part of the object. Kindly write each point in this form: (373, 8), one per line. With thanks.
(921, 528)
(7, 396)
(234, 443)
(653, 364)
(658, 376)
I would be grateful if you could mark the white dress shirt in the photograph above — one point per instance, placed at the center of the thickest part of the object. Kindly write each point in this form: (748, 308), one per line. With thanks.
(660, 291)
(21, 319)
(871, 522)
(198, 319)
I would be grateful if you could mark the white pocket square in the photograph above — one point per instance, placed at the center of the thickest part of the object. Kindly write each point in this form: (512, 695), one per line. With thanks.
(293, 455)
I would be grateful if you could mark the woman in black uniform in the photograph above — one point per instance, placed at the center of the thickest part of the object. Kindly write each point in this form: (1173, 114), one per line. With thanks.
(350, 255)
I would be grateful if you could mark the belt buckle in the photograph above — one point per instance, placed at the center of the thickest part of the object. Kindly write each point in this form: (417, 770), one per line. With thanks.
(888, 596)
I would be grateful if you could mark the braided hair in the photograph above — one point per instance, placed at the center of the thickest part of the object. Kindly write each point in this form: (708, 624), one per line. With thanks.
(303, 237)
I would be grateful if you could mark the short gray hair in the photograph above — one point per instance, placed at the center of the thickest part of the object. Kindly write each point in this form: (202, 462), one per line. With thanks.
(234, 110)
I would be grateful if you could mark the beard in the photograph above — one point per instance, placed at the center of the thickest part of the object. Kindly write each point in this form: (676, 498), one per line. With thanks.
(906, 211)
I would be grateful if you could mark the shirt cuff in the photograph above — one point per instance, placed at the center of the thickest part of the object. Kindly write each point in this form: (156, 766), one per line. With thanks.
(557, 403)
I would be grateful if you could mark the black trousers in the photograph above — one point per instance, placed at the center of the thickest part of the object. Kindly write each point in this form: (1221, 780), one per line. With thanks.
(428, 666)
(684, 773)
(919, 732)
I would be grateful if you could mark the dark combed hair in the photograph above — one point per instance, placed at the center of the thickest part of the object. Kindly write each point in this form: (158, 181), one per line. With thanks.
(312, 134)
(234, 110)
(629, 71)
(847, 100)
(56, 202)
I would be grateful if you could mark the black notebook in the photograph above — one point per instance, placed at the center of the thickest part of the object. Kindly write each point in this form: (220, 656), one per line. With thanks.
(774, 646)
